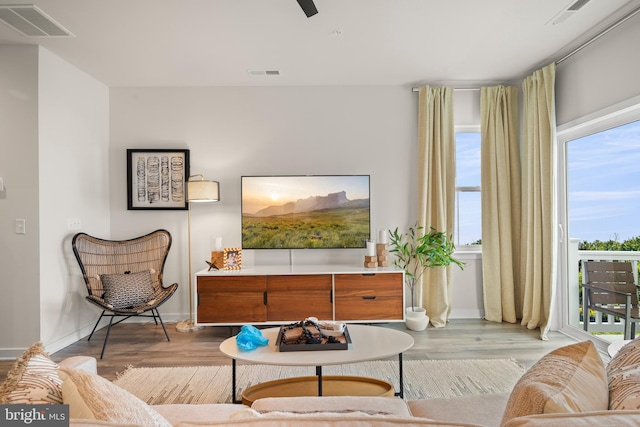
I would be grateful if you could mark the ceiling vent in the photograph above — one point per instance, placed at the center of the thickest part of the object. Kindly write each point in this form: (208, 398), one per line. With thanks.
(264, 72)
(567, 12)
(578, 5)
(30, 21)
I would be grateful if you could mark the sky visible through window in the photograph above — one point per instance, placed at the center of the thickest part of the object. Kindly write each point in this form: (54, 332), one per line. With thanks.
(468, 208)
(603, 181)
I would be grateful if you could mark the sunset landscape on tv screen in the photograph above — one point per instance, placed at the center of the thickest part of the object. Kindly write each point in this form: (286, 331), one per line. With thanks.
(305, 212)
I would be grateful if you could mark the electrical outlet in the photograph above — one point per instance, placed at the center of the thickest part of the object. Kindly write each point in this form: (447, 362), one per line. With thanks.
(21, 226)
(74, 224)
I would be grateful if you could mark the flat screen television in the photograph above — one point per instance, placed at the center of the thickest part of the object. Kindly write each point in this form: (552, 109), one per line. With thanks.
(305, 211)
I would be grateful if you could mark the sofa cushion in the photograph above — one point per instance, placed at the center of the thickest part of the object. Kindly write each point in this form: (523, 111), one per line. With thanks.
(569, 379)
(328, 404)
(487, 408)
(127, 290)
(177, 412)
(586, 419)
(83, 363)
(90, 397)
(624, 377)
(33, 379)
(97, 423)
(337, 420)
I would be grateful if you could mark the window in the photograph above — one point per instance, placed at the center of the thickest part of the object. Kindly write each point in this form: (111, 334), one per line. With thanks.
(468, 213)
(598, 200)
(603, 185)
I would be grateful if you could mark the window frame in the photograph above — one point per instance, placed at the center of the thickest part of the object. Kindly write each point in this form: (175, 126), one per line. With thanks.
(614, 116)
(467, 189)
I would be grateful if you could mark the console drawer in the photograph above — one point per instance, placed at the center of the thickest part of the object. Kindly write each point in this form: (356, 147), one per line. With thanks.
(237, 299)
(369, 296)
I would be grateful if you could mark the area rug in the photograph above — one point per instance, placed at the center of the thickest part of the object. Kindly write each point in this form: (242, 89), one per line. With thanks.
(422, 378)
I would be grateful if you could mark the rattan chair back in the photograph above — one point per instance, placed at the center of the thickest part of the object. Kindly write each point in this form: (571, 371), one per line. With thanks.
(98, 256)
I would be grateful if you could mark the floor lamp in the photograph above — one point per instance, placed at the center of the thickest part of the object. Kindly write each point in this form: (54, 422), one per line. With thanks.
(198, 191)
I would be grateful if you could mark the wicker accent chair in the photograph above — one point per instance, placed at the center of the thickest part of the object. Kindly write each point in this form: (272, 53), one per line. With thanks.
(124, 277)
(609, 287)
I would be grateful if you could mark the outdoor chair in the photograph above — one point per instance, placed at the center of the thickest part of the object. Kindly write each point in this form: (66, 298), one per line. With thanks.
(609, 287)
(124, 277)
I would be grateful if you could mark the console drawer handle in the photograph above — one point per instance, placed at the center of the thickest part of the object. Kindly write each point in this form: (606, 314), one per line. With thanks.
(369, 297)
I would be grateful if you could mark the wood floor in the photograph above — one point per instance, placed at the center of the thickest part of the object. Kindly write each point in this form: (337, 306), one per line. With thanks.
(144, 345)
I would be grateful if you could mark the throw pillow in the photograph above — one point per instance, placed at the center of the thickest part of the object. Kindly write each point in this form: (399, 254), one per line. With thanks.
(624, 377)
(33, 379)
(127, 290)
(569, 379)
(628, 355)
(92, 397)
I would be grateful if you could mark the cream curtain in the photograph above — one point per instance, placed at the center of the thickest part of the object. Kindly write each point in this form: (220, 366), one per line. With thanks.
(538, 245)
(500, 203)
(436, 189)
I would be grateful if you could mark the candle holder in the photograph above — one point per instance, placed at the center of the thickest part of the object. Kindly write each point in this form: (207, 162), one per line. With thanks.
(370, 258)
(370, 261)
(382, 255)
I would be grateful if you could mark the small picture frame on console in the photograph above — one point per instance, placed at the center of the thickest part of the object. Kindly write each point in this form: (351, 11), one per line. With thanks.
(232, 258)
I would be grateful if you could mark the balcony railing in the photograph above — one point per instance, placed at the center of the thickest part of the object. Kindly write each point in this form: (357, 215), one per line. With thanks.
(610, 324)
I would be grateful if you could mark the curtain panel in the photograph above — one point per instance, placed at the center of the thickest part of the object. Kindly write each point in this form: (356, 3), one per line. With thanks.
(500, 172)
(436, 189)
(538, 257)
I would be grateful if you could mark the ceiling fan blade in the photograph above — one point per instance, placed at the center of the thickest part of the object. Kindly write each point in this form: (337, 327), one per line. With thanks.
(308, 7)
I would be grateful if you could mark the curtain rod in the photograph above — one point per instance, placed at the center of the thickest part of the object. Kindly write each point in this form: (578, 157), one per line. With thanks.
(600, 34)
(417, 89)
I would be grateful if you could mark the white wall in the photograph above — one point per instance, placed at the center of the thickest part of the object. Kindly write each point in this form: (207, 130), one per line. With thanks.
(235, 131)
(19, 263)
(74, 184)
(603, 74)
(54, 139)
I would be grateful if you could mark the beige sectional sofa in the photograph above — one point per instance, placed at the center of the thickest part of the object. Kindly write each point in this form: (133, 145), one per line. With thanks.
(570, 386)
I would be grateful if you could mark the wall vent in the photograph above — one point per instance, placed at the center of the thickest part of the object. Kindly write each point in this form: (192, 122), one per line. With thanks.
(264, 72)
(30, 21)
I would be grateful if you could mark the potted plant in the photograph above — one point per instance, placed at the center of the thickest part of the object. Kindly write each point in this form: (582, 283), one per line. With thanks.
(416, 251)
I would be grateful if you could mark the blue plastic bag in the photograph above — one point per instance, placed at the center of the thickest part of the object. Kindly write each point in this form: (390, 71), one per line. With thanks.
(250, 338)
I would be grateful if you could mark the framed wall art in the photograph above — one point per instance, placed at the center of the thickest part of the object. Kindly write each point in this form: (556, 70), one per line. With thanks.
(232, 258)
(156, 178)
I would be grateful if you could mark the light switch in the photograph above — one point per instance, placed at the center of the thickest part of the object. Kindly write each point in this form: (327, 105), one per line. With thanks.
(1, 184)
(21, 227)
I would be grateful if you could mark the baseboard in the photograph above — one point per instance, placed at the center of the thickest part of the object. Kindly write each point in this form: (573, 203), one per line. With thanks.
(10, 353)
(62, 342)
(466, 314)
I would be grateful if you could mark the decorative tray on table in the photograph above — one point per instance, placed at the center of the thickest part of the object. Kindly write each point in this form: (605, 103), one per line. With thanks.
(309, 336)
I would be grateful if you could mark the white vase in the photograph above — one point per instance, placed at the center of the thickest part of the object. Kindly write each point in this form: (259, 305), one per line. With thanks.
(416, 318)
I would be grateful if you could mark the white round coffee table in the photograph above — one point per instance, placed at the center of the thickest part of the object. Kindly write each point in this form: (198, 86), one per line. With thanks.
(367, 343)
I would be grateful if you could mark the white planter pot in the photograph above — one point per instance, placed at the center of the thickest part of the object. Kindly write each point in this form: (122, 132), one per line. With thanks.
(416, 319)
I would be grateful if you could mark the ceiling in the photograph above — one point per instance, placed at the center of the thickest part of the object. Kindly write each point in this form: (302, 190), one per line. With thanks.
(349, 42)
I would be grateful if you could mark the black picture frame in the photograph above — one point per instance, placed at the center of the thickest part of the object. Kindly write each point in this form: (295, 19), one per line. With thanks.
(157, 179)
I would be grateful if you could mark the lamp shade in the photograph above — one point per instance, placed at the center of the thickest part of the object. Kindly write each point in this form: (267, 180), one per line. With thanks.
(203, 191)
